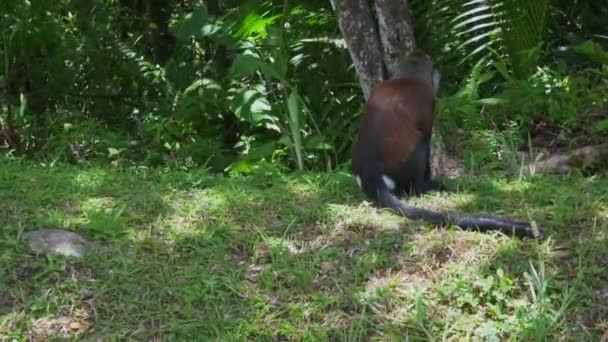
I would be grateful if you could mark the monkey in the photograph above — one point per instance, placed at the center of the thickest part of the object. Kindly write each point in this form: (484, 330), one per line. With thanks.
(391, 154)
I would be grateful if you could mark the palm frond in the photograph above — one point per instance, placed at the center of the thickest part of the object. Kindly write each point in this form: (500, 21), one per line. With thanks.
(509, 29)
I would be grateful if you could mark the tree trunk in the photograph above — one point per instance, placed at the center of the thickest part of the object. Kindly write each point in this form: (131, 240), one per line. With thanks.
(162, 41)
(396, 33)
(222, 62)
(377, 45)
(358, 27)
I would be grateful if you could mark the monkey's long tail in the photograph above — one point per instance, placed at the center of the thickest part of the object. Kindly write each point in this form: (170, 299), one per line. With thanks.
(482, 223)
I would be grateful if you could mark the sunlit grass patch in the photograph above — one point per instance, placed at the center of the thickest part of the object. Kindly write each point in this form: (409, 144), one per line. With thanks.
(296, 257)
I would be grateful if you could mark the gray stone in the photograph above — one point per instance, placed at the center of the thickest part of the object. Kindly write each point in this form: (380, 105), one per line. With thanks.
(56, 241)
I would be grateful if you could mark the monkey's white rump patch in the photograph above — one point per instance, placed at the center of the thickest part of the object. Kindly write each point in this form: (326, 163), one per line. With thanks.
(359, 182)
(390, 184)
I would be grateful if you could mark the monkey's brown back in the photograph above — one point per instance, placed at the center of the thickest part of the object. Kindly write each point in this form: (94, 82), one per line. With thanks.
(397, 115)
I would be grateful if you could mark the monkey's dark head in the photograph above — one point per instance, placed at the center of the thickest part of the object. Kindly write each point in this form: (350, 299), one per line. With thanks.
(419, 66)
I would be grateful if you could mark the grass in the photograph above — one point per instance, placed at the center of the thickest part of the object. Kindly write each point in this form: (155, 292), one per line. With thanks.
(183, 255)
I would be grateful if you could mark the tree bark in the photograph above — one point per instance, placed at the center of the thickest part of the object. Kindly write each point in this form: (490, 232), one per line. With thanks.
(162, 41)
(358, 27)
(396, 33)
(377, 45)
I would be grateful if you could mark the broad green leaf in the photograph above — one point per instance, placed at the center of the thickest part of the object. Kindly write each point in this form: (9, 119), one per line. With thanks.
(293, 106)
(490, 101)
(593, 50)
(250, 105)
(601, 126)
(245, 65)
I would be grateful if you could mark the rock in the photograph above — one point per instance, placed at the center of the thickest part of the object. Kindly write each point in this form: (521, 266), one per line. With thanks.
(594, 156)
(56, 241)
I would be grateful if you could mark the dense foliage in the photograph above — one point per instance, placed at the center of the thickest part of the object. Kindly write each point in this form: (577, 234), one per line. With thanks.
(225, 85)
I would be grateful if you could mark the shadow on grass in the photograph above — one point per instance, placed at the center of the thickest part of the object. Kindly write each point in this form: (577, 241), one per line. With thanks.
(189, 255)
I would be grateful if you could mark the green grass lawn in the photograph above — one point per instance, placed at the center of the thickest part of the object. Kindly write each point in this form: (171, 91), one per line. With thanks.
(179, 255)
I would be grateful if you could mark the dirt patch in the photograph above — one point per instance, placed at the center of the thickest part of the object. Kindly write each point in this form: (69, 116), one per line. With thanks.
(554, 139)
(25, 272)
(62, 327)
